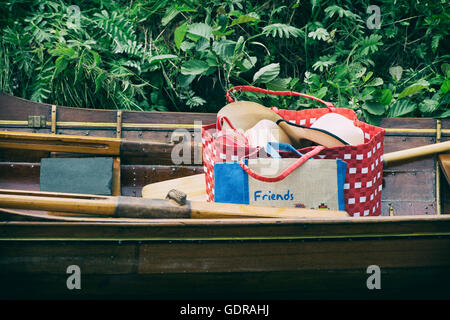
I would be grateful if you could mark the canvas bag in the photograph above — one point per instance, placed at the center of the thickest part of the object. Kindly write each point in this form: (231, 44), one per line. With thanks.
(363, 185)
(282, 182)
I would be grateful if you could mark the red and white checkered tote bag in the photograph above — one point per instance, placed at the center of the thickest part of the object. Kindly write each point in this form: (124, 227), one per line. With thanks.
(363, 182)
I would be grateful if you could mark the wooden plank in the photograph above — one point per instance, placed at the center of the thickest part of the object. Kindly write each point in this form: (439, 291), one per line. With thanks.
(408, 186)
(274, 256)
(231, 229)
(408, 207)
(92, 258)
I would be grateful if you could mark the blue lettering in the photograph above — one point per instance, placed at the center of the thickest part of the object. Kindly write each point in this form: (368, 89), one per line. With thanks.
(259, 196)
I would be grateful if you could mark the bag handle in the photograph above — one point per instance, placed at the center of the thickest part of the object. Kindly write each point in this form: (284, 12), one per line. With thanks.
(220, 120)
(329, 105)
(273, 147)
(286, 171)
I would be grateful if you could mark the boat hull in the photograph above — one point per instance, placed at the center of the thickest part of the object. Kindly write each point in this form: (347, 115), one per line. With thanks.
(236, 259)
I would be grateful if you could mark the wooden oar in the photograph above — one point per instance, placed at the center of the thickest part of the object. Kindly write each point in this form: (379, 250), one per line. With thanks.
(76, 144)
(131, 207)
(397, 156)
(195, 188)
(444, 160)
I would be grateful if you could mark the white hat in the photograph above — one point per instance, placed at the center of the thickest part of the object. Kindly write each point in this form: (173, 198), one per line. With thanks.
(341, 127)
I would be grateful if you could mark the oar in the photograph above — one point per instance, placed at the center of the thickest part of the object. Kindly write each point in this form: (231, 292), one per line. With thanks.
(77, 144)
(444, 161)
(195, 188)
(131, 207)
(397, 156)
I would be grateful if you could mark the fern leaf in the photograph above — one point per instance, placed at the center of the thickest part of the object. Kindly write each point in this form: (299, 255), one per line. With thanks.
(282, 30)
(370, 44)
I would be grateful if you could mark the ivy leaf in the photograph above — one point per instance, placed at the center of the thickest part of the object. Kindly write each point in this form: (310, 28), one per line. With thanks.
(374, 107)
(401, 108)
(412, 89)
(267, 73)
(194, 67)
(428, 106)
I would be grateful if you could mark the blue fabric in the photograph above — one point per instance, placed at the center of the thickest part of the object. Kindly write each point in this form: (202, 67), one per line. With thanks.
(230, 183)
(273, 147)
(341, 172)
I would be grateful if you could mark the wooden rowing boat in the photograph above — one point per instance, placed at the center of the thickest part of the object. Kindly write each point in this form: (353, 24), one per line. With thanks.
(218, 258)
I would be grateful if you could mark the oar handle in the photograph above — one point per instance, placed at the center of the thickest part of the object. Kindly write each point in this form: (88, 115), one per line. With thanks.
(209, 210)
(401, 155)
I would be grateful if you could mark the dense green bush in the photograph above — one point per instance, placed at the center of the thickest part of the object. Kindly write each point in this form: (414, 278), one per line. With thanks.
(182, 55)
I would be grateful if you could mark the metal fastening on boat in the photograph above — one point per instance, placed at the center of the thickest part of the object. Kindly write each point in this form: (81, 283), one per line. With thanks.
(36, 121)
(391, 210)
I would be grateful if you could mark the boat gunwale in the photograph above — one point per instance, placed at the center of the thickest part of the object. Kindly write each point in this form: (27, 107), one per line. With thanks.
(221, 222)
(262, 229)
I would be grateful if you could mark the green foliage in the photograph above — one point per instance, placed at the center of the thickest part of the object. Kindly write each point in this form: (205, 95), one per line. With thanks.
(183, 55)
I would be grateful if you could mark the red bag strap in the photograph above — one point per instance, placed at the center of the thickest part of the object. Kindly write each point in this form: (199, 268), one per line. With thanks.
(220, 120)
(329, 105)
(287, 171)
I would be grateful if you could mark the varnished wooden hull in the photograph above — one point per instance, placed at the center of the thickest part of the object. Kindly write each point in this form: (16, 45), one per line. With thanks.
(233, 259)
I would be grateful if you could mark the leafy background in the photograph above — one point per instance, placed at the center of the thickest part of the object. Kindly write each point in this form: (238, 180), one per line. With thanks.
(182, 55)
